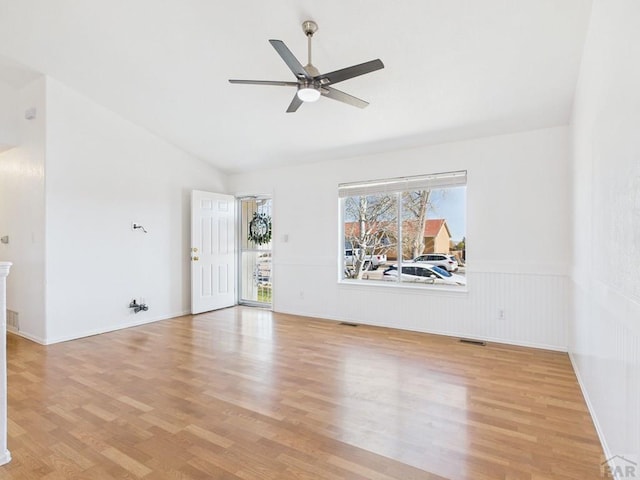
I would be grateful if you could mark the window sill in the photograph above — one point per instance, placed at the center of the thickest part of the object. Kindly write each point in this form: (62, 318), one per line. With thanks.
(409, 287)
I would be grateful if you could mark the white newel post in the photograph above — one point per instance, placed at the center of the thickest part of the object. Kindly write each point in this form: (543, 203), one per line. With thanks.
(5, 456)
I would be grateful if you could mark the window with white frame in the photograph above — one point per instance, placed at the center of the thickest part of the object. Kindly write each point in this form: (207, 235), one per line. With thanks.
(409, 230)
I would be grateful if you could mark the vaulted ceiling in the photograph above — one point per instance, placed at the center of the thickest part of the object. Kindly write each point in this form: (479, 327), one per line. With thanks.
(453, 69)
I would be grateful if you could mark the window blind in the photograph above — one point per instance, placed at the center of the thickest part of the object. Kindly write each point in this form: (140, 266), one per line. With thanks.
(403, 184)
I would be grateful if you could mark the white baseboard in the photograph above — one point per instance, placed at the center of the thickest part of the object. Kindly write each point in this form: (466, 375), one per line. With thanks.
(98, 331)
(592, 412)
(28, 336)
(5, 457)
(506, 341)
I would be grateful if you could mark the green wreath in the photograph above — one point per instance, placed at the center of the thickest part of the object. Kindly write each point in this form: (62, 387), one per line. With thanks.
(260, 228)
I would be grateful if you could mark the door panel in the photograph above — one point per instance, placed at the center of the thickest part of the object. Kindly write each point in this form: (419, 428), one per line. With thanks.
(213, 253)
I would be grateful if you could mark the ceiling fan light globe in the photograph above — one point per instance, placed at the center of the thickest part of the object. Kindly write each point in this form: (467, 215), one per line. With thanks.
(308, 94)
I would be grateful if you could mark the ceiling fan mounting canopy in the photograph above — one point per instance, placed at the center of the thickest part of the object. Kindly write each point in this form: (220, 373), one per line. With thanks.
(310, 83)
(309, 27)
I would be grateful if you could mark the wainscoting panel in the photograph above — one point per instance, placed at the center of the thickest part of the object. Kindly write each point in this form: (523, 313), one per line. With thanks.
(516, 308)
(604, 344)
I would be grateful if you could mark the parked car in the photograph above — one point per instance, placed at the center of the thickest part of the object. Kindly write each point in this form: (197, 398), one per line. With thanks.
(442, 260)
(423, 273)
(371, 262)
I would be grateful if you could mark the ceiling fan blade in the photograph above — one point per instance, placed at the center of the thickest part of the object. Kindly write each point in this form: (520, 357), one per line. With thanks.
(265, 82)
(295, 104)
(343, 97)
(349, 72)
(292, 62)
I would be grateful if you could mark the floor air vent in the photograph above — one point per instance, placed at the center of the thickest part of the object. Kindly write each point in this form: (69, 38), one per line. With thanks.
(13, 321)
(473, 342)
(349, 324)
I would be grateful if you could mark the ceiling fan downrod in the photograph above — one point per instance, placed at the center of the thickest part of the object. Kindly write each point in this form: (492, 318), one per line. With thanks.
(309, 27)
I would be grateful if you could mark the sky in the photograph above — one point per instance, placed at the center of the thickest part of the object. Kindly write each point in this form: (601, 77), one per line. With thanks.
(450, 204)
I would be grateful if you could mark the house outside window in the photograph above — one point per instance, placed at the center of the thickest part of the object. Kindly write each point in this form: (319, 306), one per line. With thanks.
(416, 222)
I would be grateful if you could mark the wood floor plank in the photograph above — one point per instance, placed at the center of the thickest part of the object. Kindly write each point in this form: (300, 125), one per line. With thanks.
(126, 462)
(244, 394)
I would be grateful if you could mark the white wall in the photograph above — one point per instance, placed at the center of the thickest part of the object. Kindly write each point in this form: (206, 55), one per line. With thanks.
(102, 174)
(22, 212)
(8, 116)
(604, 337)
(517, 230)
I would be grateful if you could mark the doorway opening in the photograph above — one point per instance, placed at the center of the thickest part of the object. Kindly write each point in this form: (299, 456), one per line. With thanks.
(255, 266)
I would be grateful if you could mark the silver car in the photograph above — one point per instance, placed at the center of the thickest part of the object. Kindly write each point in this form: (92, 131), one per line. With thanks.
(442, 260)
(423, 273)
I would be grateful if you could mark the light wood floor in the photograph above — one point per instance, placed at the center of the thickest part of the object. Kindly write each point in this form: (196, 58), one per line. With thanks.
(246, 394)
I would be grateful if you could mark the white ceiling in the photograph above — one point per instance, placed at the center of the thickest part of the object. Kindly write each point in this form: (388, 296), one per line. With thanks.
(453, 69)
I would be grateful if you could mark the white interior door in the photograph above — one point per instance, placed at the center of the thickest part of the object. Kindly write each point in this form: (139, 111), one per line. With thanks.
(213, 251)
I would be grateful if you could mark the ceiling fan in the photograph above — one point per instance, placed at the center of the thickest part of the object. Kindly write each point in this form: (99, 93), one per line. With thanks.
(311, 84)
